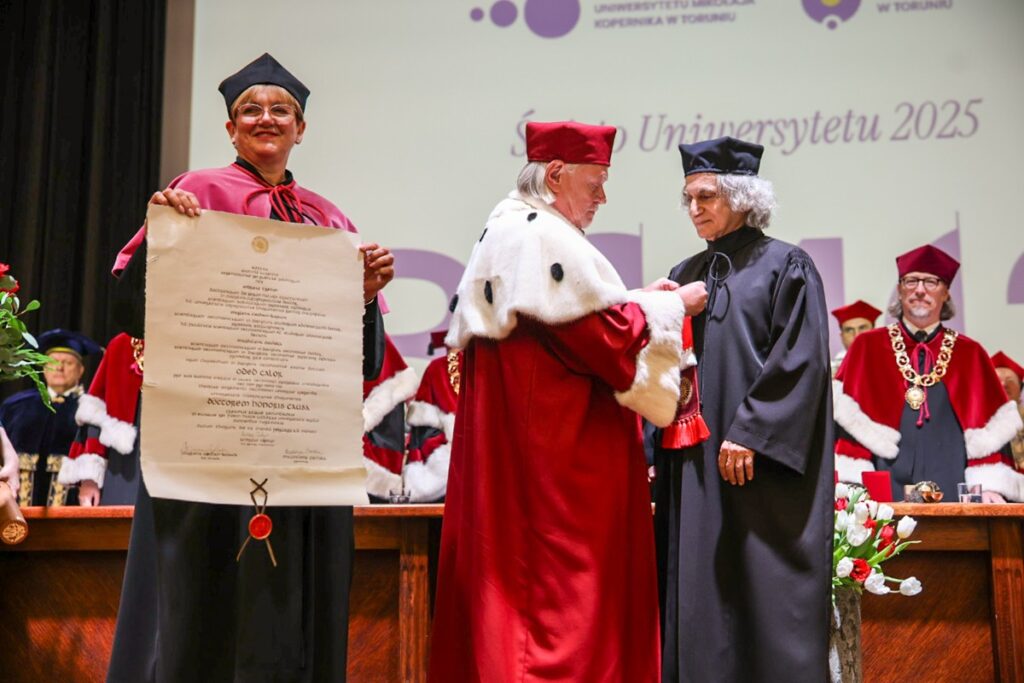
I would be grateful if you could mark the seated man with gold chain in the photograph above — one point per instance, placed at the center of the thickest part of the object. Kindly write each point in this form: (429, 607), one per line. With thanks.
(921, 400)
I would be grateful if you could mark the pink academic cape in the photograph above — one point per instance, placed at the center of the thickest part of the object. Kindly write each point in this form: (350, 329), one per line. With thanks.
(234, 189)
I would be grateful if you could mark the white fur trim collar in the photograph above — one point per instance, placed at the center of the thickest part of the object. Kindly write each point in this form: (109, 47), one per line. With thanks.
(530, 261)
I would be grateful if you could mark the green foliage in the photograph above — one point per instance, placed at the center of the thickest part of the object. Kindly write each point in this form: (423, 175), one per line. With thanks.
(19, 350)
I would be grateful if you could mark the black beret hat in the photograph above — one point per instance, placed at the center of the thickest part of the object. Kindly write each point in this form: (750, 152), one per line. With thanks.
(723, 155)
(63, 340)
(264, 70)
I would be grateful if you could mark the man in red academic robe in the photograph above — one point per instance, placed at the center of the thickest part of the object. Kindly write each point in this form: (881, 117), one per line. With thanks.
(854, 319)
(920, 400)
(105, 453)
(432, 421)
(384, 400)
(1011, 374)
(547, 567)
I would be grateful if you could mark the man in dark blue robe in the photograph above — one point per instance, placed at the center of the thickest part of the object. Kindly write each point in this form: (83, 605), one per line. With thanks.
(42, 437)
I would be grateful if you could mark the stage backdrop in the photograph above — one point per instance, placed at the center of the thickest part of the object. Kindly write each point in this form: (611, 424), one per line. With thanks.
(887, 124)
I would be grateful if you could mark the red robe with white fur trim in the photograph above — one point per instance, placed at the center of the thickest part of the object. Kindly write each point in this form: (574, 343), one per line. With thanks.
(110, 407)
(869, 403)
(432, 419)
(384, 422)
(547, 567)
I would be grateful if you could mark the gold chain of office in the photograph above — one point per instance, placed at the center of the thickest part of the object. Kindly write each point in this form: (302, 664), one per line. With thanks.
(454, 377)
(138, 352)
(915, 394)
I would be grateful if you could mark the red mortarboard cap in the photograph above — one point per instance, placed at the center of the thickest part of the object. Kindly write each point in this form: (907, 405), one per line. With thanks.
(571, 142)
(436, 341)
(858, 309)
(1001, 360)
(928, 259)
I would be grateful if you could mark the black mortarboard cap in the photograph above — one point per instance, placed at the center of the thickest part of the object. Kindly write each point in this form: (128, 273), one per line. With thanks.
(63, 340)
(264, 70)
(722, 155)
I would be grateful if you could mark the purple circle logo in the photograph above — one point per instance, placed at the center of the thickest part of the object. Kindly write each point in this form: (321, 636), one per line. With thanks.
(546, 18)
(831, 12)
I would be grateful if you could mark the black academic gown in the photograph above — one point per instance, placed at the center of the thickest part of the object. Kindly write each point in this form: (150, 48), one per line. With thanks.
(41, 438)
(745, 572)
(190, 612)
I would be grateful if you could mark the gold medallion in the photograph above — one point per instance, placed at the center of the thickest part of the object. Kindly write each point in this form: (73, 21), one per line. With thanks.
(915, 397)
(685, 391)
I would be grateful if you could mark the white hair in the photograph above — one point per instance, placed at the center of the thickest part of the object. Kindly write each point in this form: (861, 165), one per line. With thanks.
(749, 193)
(532, 182)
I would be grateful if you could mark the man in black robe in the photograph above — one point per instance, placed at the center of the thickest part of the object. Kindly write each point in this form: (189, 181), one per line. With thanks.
(744, 520)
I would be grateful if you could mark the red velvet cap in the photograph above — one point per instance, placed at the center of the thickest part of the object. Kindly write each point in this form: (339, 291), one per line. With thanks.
(858, 309)
(436, 341)
(571, 142)
(928, 259)
(1001, 360)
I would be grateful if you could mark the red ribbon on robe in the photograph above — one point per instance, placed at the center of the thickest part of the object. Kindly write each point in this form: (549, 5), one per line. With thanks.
(688, 428)
(285, 202)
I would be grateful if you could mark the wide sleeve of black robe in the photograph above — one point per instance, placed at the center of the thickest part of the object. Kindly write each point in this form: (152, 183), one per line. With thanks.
(771, 419)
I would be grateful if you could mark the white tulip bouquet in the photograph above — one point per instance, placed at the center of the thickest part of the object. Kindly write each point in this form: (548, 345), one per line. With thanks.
(865, 536)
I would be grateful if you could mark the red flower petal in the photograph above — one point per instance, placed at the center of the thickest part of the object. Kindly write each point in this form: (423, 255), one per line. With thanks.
(861, 570)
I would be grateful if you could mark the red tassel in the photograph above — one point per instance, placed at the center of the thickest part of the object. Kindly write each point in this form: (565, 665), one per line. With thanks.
(689, 428)
(685, 432)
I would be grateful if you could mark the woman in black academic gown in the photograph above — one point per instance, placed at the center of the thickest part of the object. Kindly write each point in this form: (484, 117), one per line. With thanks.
(189, 611)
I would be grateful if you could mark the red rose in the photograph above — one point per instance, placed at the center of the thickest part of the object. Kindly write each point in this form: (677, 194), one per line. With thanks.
(841, 504)
(4, 268)
(886, 538)
(861, 570)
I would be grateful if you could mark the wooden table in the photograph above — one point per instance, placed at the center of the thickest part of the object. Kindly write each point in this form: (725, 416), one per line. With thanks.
(968, 623)
(59, 593)
(60, 589)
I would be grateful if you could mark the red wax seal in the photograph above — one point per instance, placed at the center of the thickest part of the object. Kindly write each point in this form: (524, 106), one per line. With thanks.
(260, 527)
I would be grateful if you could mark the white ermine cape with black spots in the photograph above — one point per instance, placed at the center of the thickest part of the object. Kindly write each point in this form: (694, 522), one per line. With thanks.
(530, 261)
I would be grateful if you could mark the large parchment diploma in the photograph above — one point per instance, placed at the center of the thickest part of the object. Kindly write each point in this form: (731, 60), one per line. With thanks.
(253, 361)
